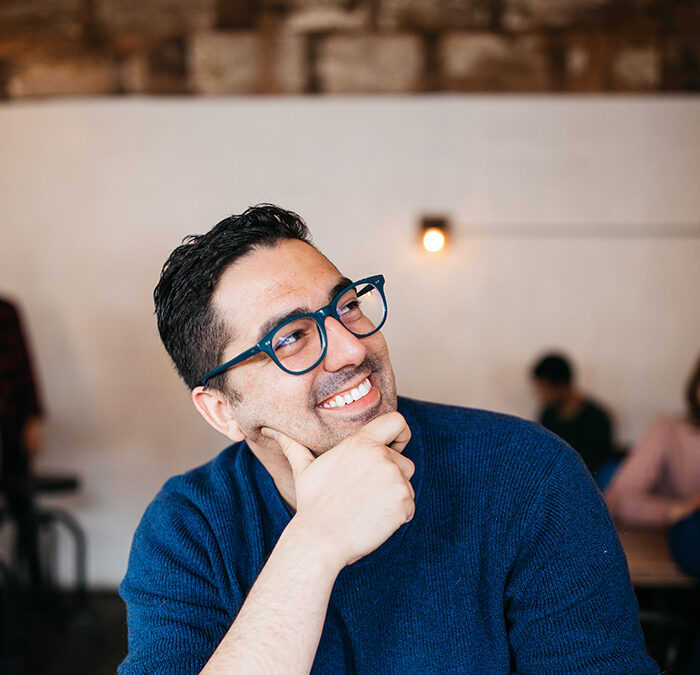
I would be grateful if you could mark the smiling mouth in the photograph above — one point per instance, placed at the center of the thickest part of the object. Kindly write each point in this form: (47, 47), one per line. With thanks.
(348, 396)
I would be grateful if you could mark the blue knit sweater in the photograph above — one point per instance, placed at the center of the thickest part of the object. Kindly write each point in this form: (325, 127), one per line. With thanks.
(510, 565)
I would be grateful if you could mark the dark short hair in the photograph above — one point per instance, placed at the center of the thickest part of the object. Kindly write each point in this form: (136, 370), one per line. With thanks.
(553, 368)
(194, 336)
(691, 396)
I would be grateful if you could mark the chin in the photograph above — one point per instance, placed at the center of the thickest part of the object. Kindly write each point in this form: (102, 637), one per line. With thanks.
(338, 433)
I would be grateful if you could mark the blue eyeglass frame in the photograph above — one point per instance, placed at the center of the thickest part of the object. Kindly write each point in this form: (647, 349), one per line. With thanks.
(319, 317)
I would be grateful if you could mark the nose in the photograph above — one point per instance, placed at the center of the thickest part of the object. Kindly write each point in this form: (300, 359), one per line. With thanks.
(343, 349)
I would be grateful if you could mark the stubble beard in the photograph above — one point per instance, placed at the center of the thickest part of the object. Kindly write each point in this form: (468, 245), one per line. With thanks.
(382, 378)
(326, 435)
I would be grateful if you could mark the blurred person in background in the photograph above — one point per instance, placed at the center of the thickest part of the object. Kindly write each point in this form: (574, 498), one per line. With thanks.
(582, 422)
(20, 434)
(659, 483)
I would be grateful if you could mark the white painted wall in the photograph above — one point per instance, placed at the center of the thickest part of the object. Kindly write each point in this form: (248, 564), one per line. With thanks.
(94, 195)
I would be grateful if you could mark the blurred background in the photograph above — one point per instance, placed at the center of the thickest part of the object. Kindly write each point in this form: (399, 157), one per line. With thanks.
(559, 141)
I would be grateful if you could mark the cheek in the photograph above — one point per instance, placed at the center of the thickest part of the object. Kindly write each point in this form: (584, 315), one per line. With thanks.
(269, 396)
(376, 344)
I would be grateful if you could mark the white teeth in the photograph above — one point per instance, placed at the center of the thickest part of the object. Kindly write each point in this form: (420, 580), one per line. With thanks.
(354, 394)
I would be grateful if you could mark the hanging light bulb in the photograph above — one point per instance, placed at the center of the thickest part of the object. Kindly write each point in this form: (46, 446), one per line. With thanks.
(434, 233)
(433, 240)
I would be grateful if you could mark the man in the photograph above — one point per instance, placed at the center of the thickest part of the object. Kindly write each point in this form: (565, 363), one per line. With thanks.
(580, 421)
(338, 534)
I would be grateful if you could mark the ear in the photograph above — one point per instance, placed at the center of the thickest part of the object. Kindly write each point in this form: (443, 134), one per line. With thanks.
(215, 408)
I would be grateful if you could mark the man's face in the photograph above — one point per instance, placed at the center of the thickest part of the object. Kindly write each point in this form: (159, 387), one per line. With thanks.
(270, 283)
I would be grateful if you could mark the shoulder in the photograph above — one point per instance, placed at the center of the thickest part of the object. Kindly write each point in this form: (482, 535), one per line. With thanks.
(667, 421)
(7, 309)
(594, 410)
(501, 464)
(675, 430)
(595, 406)
(188, 505)
(670, 422)
(510, 441)
(464, 418)
(179, 526)
(207, 484)
(458, 419)
(664, 427)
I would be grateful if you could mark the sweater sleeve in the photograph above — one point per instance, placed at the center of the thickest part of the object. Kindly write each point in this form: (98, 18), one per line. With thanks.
(569, 602)
(631, 495)
(175, 610)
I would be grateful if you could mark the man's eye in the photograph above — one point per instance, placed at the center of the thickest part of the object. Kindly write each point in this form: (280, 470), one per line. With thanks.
(287, 340)
(348, 307)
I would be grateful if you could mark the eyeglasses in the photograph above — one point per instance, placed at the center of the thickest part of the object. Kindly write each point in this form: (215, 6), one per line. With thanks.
(298, 344)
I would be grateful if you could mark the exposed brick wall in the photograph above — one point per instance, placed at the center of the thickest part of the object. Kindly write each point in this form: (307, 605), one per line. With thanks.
(181, 47)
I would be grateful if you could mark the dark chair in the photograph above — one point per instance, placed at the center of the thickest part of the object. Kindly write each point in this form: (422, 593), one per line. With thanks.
(667, 638)
(51, 522)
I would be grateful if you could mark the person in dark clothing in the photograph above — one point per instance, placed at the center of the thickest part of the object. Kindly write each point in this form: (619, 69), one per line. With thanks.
(20, 434)
(583, 423)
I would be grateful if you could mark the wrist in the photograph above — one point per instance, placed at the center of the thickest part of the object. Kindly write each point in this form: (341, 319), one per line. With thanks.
(316, 543)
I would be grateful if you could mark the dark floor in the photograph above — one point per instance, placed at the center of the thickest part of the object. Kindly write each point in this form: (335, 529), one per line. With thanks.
(670, 618)
(63, 640)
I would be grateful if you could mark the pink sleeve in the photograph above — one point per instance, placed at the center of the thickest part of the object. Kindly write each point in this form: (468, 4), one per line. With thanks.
(631, 496)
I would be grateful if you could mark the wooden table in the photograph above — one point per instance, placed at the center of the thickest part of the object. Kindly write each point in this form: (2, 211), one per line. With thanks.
(649, 559)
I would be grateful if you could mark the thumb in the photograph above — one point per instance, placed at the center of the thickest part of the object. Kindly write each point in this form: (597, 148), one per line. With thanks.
(298, 455)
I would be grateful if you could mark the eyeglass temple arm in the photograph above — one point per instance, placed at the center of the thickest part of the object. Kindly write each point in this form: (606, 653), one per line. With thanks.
(225, 366)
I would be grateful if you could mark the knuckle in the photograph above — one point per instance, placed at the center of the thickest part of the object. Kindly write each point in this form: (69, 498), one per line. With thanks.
(393, 471)
(403, 494)
(410, 509)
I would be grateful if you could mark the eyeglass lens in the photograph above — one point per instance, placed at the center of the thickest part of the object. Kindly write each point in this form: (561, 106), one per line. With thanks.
(298, 344)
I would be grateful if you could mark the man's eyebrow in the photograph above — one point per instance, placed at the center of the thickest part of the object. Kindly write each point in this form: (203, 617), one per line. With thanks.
(277, 320)
(342, 283)
(281, 318)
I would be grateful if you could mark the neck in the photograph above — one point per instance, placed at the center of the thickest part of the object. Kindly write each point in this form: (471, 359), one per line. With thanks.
(570, 404)
(277, 466)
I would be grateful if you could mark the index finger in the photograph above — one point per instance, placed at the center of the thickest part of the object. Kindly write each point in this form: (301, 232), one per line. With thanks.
(298, 455)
